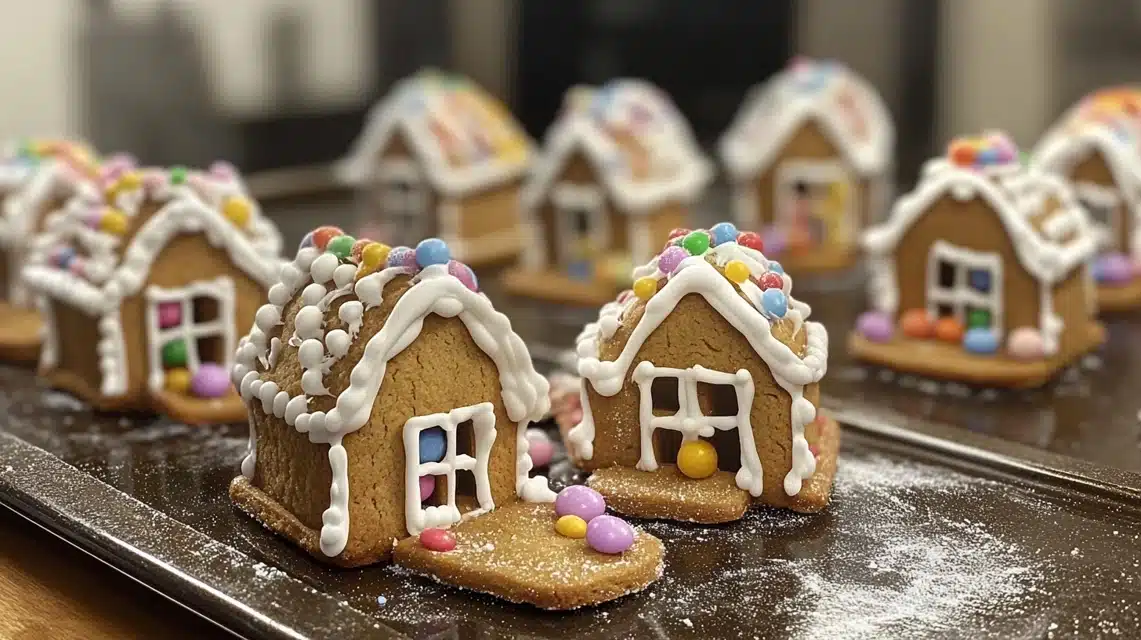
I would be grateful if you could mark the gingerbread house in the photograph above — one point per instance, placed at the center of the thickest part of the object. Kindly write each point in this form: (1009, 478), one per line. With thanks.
(618, 168)
(389, 399)
(701, 386)
(809, 158)
(981, 273)
(145, 287)
(1097, 148)
(439, 156)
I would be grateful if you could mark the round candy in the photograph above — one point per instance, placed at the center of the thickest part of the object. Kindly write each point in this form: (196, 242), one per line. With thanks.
(737, 271)
(1113, 268)
(438, 539)
(751, 240)
(432, 251)
(322, 236)
(981, 341)
(607, 534)
(358, 249)
(723, 232)
(774, 302)
(696, 242)
(464, 274)
(961, 153)
(771, 280)
(64, 256)
(237, 210)
(775, 267)
(1025, 343)
(402, 257)
(539, 447)
(174, 354)
(129, 181)
(433, 445)
(645, 287)
(169, 314)
(581, 501)
(697, 459)
(988, 156)
(178, 175)
(571, 527)
(669, 259)
(374, 255)
(177, 380)
(427, 487)
(341, 246)
(876, 326)
(210, 381)
(949, 329)
(113, 222)
(307, 241)
(677, 233)
(917, 323)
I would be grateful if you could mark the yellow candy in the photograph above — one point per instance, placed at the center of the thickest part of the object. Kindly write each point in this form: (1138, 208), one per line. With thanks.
(237, 210)
(645, 288)
(737, 271)
(177, 381)
(374, 254)
(571, 526)
(129, 181)
(113, 222)
(697, 459)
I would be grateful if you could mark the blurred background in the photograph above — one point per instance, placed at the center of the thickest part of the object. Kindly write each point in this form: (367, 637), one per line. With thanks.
(277, 84)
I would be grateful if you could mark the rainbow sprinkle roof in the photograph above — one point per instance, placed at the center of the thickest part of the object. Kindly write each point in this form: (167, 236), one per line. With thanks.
(21, 159)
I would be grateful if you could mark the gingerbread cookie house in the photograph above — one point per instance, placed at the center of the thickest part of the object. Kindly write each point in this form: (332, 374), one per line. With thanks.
(809, 157)
(701, 386)
(980, 274)
(439, 156)
(618, 168)
(145, 287)
(389, 401)
(1097, 148)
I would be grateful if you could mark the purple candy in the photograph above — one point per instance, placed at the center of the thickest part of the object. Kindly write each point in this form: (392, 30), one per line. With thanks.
(210, 381)
(671, 258)
(402, 257)
(581, 501)
(774, 240)
(875, 326)
(464, 274)
(1113, 268)
(607, 534)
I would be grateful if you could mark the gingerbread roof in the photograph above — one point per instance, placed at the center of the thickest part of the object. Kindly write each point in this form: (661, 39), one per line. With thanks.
(37, 172)
(1072, 141)
(640, 146)
(100, 248)
(842, 104)
(20, 160)
(465, 138)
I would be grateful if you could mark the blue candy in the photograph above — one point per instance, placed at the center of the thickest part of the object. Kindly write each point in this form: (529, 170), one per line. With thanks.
(307, 241)
(775, 267)
(981, 340)
(774, 302)
(987, 156)
(432, 251)
(433, 445)
(723, 232)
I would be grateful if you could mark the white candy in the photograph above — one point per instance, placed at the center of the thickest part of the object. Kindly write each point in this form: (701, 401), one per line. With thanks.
(313, 294)
(267, 317)
(344, 274)
(323, 267)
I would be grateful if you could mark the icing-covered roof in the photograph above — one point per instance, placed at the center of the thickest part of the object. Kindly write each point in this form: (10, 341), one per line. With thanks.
(20, 160)
(465, 138)
(33, 174)
(99, 249)
(640, 146)
(844, 105)
(1116, 135)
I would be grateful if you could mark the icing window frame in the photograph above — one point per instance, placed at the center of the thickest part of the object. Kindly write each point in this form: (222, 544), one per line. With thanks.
(1107, 228)
(402, 189)
(818, 172)
(221, 326)
(569, 200)
(961, 293)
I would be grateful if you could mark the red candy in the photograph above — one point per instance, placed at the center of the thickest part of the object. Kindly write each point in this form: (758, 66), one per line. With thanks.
(358, 247)
(322, 236)
(678, 232)
(438, 539)
(751, 239)
(771, 280)
(961, 153)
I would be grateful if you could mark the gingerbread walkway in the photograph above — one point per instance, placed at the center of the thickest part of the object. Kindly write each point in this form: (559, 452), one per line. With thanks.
(19, 334)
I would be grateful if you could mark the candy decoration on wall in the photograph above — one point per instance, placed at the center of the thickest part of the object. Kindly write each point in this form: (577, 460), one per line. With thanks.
(697, 459)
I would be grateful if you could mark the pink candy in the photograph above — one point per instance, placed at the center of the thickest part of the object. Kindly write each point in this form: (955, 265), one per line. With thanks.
(464, 274)
(669, 259)
(169, 314)
(540, 447)
(427, 487)
(438, 539)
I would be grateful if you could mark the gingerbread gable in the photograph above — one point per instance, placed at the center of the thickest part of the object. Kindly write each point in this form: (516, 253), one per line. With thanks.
(464, 138)
(845, 107)
(640, 147)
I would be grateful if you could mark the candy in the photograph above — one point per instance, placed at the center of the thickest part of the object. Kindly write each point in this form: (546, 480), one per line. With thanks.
(358, 249)
(1025, 343)
(677, 233)
(645, 287)
(723, 232)
(1113, 268)
(737, 271)
(981, 341)
(210, 381)
(696, 242)
(949, 329)
(427, 487)
(876, 326)
(607, 534)
(341, 246)
(63, 256)
(174, 354)
(464, 274)
(113, 222)
(322, 236)
(374, 255)
(774, 303)
(177, 380)
(776, 267)
(402, 257)
(962, 153)
(697, 459)
(169, 314)
(581, 501)
(571, 527)
(539, 447)
(129, 181)
(237, 210)
(433, 445)
(669, 259)
(771, 280)
(432, 251)
(178, 175)
(917, 323)
(751, 240)
(438, 540)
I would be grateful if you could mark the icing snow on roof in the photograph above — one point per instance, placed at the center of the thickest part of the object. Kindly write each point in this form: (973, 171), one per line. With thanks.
(848, 110)
(464, 137)
(1072, 141)
(19, 161)
(640, 146)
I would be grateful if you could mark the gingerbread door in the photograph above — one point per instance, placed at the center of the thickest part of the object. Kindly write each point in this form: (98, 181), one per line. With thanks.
(813, 203)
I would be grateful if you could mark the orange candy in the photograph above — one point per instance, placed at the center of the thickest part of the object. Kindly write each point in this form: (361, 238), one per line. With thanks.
(322, 236)
(916, 323)
(949, 330)
(962, 153)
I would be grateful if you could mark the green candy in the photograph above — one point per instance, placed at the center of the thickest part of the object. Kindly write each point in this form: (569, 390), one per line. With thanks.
(341, 246)
(696, 243)
(174, 353)
(178, 175)
(978, 318)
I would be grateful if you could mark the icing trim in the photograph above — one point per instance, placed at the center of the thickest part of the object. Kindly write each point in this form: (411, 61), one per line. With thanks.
(221, 290)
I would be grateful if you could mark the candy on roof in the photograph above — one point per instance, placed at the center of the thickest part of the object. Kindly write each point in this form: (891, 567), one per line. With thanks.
(991, 149)
(20, 160)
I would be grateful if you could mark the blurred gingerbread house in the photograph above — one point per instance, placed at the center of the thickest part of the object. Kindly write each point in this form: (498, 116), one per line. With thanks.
(809, 157)
(619, 167)
(439, 156)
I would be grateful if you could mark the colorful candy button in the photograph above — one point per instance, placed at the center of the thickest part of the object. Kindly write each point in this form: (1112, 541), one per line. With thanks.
(169, 314)
(571, 526)
(433, 445)
(174, 354)
(774, 302)
(771, 280)
(917, 323)
(610, 535)
(341, 246)
(737, 271)
(671, 258)
(723, 232)
(696, 242)
(427, 487)
(432, 251)
(751, 240)
(438, 540)
(645, 288)
(210, 381)
(981, 341)
(579, 500)
(697, 459)
(177, 380)
(1025, 343)
(876, 326)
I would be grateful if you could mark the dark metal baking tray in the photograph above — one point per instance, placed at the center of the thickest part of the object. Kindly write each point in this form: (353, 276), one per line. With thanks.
(927, 537)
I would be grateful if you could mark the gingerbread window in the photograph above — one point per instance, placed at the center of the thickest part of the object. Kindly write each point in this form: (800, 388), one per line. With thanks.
(813, 201)
(188, 326)
(584, 229)
(965, 284)
(1103, 205)
(402, 192)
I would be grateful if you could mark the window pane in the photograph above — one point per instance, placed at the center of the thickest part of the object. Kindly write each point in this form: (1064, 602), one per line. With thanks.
(717, 399)
(946, 274)
(980, 280)
(945, 310)
(663, 394)
(206, 309)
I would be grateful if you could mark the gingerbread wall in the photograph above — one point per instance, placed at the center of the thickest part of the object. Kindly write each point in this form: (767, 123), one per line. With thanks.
(489, 211)
(441, 370)
(695, 334)
(1071, 303)
(1094, 169)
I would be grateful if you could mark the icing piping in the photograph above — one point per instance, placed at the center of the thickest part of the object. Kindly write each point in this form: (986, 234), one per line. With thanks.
(222, 291)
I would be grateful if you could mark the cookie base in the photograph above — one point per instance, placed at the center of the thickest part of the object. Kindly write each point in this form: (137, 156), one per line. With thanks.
(1119, 297)
(82, 389)
(20, 334)
(667, 494)
(515, 554)
(552, 286)
(824, 259)
(933, 359)
(226, 410)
